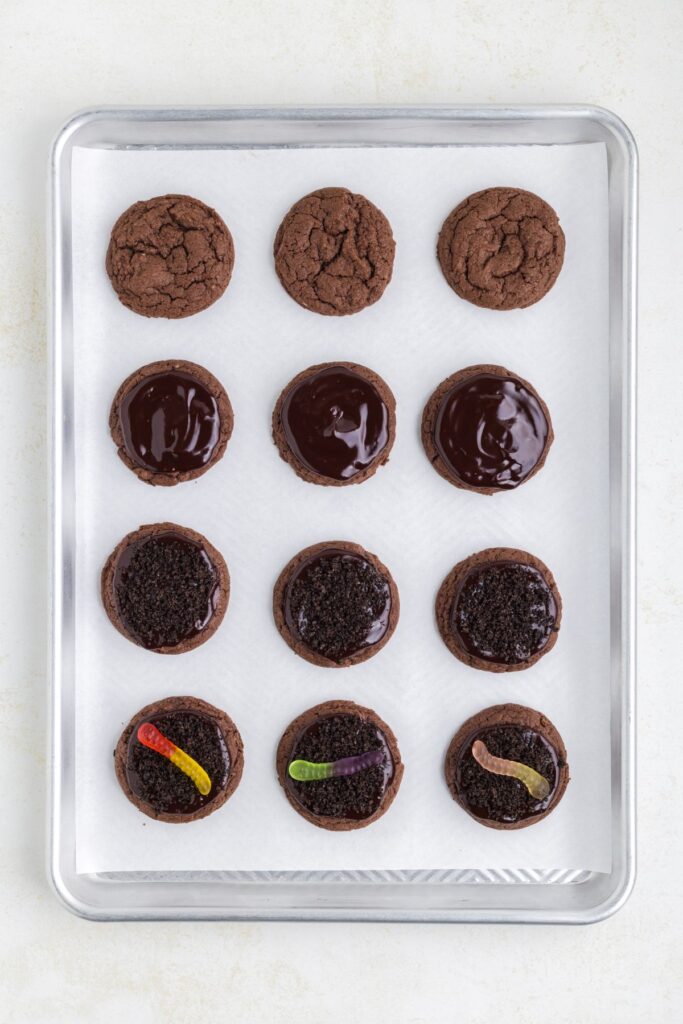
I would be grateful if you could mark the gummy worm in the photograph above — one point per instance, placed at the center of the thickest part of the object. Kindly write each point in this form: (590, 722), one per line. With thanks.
(309, 771)
(538, 786)
(150, 736)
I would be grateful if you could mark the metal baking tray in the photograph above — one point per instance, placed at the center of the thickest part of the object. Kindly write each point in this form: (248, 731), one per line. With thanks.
(473, 895)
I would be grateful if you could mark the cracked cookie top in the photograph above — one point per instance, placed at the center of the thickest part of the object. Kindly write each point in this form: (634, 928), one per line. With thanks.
(502, 248)
(334, 252)
(170, 256)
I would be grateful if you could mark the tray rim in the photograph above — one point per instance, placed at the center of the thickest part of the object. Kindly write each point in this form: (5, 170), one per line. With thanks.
(74, 894)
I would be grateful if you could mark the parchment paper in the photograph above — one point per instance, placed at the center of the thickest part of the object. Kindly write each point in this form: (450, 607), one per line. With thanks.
(254, 508)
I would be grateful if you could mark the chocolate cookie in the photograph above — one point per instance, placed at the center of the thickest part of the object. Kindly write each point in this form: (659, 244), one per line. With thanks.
(335, 423)
(166, 588)
(485, 429)
(170, 256)
(335, 604)
(170, 421)
(334, 252)
(507, 766)
(179, 759)
(499, 610)
(501, 248)
(339, 765)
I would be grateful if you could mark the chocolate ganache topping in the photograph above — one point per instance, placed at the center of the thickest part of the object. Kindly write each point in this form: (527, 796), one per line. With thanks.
(170, 423)
(335, 422)
(491, 431)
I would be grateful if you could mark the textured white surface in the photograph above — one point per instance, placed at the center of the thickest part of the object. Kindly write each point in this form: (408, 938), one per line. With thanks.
(259, 514)
(56, 58)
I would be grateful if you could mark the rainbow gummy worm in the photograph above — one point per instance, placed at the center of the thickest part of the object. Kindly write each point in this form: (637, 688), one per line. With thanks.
(538, 786)
(150, 736)
(309, 771)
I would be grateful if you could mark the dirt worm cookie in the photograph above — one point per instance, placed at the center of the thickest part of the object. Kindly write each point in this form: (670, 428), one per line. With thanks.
(339, 765)
(507, 766)
(188, 782)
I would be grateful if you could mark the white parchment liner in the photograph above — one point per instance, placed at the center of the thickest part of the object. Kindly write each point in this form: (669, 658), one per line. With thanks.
(254, 508)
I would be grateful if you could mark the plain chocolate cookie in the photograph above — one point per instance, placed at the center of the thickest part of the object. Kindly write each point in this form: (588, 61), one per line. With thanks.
(170, 256)
(486, 429)
(159, 788)
(166, 588)
(335, 604)
(515, 733)
(499, 610)
(170, 421)
(335, 423)
(334, 252)
(358, 795)
(501, 248)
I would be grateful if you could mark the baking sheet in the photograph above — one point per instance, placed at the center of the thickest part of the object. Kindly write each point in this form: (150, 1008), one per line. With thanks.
(258, 513)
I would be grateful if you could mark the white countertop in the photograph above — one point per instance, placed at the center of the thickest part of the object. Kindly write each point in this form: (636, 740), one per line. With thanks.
(57, 58)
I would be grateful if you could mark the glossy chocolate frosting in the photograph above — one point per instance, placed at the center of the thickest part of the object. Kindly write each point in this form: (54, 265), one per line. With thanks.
(504, 612)
(161, 784)
(491, 431)
(337, 603)
(335, 422)
(170, 423)
(499, 797)
(354, 796)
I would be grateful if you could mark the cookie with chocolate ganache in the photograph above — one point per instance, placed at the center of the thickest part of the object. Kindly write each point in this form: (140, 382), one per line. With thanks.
(334, 252)
(499, 610)
(170, 421)
(501, 248)
(507, 766)
(339, 765)
(486, 429)
(166, 588)
(170, 256)
(335, 423)
(179, 759)
(335, 604)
